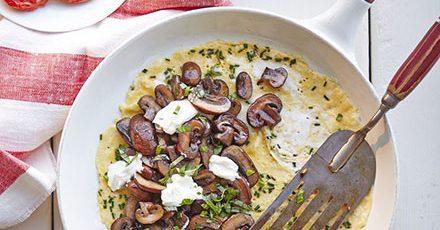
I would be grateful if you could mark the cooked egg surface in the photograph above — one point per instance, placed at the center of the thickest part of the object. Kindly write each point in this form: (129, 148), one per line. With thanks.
(313, 107)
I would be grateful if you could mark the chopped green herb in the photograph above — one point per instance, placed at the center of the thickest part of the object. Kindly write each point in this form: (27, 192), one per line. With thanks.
(310, 107)
(177, 161)
(186, 201)
(218, 147)
(339, 117)
(153, 77)
(300, 196)
(203, 148)
(131, 87)
(183, 129)
(176, 228)
(192, 51)
(105, 177)
(250, 55)
(325, 84)
(212, 72)
(317, 124)
(292, 62)
(313, 88)
(167, 59)
(121, 155)
(311, 151)
(144, 70)
(346, 224)
(158, 149)
(203, 119)
(326, 98)
(249, 172)
(177, 110)
(233, 96)
(277, 59)
(100, 137)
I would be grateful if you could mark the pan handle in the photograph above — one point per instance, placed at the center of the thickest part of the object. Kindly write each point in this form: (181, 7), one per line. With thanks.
(339, 24)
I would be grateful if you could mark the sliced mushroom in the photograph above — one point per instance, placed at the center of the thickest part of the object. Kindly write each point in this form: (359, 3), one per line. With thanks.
(275, 77)
(148, 104)
(245, 164)
(149, 173)
(242, 186)
(140, 194)
(171, 151)
(204, 177)
(149, 213)
(123, 129)
(210, 103)
(235, 107)
(191, 73)
(238, 221)
(176, 89)
(188, 142)
(130, 207)
(163, 95)
(142, 135)
(215, 86)
(163, 167)
(230, 129)
(122, 223)
(199, 222)
(207, 151)
(243, 85)
(148, 185)
(265, 111)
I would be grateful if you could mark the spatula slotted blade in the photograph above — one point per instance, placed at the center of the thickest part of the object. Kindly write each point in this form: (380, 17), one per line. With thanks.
(343, 190)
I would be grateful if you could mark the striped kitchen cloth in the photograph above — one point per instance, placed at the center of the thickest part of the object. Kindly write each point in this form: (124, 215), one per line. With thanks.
(40, 76)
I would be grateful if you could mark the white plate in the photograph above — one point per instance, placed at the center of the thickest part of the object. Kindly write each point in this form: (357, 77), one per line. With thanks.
(96, 106)
(57, 16)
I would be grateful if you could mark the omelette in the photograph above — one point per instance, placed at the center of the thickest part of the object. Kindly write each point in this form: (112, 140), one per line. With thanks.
(314, 106)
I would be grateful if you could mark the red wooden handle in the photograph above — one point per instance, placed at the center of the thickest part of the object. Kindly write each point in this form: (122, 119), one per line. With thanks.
(417, 65)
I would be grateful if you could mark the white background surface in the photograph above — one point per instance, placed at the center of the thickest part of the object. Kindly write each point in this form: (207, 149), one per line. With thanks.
(386, 37)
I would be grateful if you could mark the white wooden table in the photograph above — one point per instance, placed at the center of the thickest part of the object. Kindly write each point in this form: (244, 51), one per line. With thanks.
(387, 35)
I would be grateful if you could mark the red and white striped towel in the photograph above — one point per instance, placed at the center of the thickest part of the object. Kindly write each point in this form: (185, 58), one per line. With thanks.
(40, 76)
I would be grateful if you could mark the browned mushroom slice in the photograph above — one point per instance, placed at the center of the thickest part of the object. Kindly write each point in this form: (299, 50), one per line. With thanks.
(171, 151)
(230, 130)
(188, 142)
(210, 103)
(206, 150)
(215, 86)
(191, 73)
(196, 208)
(245, 164)
(149, 106)
(149, 173)
(140, 194)
(238, 221)
(142, 135)
(122, 223)
(130, 207)
(235, 107)
(275, 77)
(176, 89)
(243, 85)
(149, 213)
(163, 167)
(123, 129)
(242, 186)
(204, 177)
(163, 95)
(265, 111)
(199, 222)
(148, 185)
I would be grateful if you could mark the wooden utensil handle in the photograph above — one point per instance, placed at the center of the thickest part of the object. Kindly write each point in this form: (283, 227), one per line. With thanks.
(417, 65)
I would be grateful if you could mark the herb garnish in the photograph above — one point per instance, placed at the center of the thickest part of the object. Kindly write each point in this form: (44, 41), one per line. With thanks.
(339, 117)
(183, 129)
(326, 98)
(300, 196)
(144, 70)
(212, 72)
(346, 224)
(176, 110)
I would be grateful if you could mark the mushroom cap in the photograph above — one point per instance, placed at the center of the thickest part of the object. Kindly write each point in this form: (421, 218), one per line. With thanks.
(148, 213)
(122, 223)
(235, 107)
(148, 104)
(188, 142)
(199, 222)
(163, 95)
(243, 85)
(265, 111)
(123, 129)
(130, 207)
(191, 73)
(275, 77)
(210, 103)
(204, 177)
(230, 129)
(136, 191)
(142, 134)
(238, 221)
(215, 86)
(244, 162)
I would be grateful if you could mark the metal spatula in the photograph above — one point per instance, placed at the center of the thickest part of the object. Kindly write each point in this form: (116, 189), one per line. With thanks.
(339, 175)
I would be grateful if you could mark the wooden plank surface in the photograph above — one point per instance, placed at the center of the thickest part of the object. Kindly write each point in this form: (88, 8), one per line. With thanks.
(396, 27)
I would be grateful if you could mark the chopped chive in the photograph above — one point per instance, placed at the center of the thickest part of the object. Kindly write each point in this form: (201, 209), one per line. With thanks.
(167, 59)
(100, 137)
(177, 110)
(339, 117)
(250, 172)
(326, 98)
(144, 70)
(316, 124)
(313, 88)
(325, 84)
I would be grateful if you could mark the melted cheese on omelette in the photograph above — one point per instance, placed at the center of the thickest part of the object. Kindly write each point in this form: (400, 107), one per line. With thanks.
(313, 107)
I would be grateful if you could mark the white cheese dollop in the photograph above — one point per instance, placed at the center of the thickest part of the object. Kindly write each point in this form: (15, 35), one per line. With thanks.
(223, 167)
(174, 115)
(119, 173)
(180, 188)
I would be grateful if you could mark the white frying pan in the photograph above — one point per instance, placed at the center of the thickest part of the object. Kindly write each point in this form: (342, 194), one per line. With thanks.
(326, 42)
